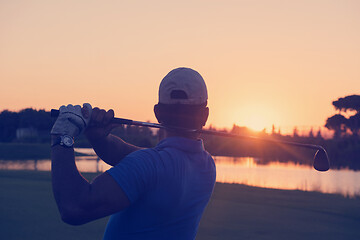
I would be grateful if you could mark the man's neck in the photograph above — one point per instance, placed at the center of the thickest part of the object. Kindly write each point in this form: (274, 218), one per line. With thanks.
(184, 134)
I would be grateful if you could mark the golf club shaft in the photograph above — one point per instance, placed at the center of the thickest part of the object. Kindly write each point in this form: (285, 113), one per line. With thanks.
(123, 121)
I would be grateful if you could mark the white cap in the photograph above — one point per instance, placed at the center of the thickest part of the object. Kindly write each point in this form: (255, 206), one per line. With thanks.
(183, 86)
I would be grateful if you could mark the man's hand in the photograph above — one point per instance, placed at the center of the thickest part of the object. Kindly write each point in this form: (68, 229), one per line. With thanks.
(71, 120)
(100, 124)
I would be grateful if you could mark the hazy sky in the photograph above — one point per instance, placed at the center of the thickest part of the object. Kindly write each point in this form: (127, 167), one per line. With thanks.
(264, 62)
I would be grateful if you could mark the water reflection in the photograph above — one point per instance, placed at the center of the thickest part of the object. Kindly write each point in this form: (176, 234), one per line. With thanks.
(84, 164)
(41, 165)
(286, 176)
(246, 171)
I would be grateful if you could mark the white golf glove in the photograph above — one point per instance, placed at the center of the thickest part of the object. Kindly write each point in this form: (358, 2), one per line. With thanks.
(71, 120)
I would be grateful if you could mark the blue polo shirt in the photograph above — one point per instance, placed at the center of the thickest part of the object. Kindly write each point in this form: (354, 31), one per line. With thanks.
(168, 186)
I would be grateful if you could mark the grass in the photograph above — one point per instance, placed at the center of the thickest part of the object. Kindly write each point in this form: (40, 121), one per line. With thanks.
(242, 212)
(28, 211)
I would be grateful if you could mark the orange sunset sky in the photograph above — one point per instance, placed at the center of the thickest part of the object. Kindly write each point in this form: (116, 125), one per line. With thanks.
(265, 62)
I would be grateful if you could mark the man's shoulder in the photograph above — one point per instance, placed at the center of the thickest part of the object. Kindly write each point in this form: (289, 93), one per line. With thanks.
(143, 153)
(172, 146)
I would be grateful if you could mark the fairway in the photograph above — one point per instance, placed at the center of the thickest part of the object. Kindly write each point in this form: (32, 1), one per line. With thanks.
(28, 211)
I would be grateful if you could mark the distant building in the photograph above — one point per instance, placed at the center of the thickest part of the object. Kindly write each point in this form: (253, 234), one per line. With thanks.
(23, 133)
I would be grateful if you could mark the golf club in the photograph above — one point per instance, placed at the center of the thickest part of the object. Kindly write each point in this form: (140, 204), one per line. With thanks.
(321, 159)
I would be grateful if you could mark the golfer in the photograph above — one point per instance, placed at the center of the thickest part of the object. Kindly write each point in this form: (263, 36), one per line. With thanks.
(155, 193)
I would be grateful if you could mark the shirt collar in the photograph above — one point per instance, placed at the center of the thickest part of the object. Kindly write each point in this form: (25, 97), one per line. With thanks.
(183, 144)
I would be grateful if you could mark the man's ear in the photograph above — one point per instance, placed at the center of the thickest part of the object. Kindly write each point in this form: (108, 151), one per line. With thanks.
(157, 112)
(205, 115)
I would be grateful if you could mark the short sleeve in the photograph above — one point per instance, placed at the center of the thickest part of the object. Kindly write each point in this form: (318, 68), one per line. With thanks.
(135, 174)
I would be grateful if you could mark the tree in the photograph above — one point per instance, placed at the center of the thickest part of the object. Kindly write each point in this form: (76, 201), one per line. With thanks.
(351, 103)
(337, 124)
(318, 135)
(353, 123)
(9, 122)
(311, 133)
(341, 124)
(295, 132)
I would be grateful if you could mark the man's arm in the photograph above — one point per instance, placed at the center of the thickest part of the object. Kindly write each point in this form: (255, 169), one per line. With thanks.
(78, 200)
(110, 148)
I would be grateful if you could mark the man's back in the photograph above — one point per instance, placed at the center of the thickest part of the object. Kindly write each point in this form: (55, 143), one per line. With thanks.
(168, 186)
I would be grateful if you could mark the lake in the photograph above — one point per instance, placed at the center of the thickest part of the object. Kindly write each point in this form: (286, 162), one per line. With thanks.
(240, 170)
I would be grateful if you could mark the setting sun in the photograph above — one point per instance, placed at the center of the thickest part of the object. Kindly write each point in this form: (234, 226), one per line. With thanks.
(256, 122)
(256, 116)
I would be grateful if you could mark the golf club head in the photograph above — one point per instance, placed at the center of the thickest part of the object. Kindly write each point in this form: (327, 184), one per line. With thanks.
(321, 161)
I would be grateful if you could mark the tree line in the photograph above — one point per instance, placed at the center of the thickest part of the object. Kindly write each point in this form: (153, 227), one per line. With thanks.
(11, 122)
